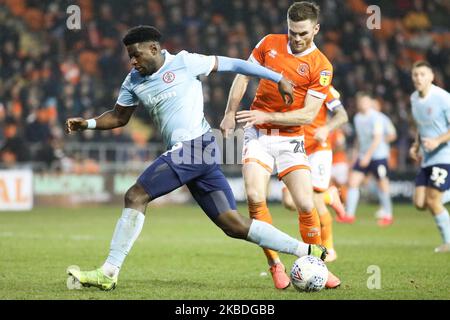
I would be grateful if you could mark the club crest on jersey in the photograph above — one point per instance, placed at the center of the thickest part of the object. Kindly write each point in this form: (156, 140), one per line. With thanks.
(325, 78)
(429, 111)
(302, 69)
(273, 53)
(168, 77)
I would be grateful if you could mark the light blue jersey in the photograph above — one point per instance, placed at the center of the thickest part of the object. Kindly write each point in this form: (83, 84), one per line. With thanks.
(388, 126)
(432, 116)
(173, 95)
(368, 125)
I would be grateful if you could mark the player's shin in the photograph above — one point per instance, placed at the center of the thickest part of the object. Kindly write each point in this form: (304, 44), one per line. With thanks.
(326, 225)
(309, 225)
(260, 211)
(267, 236)
(443, 223)
(352, 201)
(127, 230)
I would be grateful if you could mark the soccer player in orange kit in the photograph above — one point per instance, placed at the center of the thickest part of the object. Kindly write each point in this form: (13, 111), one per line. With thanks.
(274, 132)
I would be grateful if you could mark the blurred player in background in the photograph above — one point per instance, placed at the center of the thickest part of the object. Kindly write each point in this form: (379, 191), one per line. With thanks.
(390, 135)
(431, 111)
(373, 152)
(274, 133)
(318, 149)
(340, 166)
(168, 87)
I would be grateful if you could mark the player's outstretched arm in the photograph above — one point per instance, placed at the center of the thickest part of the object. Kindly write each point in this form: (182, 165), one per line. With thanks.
(117, 117)
(225, 64)
(235, 96)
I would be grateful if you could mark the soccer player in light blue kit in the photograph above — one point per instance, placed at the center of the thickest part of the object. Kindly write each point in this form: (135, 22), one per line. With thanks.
(168, 87)
(431, 112)
(373, 152)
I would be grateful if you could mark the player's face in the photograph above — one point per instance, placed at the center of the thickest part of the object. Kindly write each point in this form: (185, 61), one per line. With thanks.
(143, 57)
(301, 34)
(422, 78)
(364, 103)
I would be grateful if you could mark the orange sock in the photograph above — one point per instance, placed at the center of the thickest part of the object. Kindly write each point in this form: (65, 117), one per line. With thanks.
(326, 228)
(260, 211)
(343, 192)
(309, 223)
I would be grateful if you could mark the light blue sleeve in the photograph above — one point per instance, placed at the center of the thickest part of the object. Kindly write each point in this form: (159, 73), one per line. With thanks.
(126, 96)
(198, 64)
(446, 106)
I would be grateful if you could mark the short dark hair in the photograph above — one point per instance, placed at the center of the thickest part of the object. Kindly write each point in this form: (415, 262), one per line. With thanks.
(141, 34)
(304, 10)
(422, 63)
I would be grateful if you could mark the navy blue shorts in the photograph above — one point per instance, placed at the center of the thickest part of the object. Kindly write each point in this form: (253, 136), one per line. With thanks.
(435, 176)
(193, 163)
(379, 168)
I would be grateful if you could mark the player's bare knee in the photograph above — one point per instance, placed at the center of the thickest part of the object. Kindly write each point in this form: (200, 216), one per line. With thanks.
(306, 206)
(420, 205)
(255, 196)
(136, 196)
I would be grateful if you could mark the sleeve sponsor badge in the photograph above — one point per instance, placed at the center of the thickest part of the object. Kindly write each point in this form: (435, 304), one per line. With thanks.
(325, 78)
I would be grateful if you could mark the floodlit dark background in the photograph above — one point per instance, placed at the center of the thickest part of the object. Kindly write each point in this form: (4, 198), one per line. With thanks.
(49, 73)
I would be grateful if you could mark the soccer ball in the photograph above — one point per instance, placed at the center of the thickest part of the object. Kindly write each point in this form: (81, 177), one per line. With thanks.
(309, 274)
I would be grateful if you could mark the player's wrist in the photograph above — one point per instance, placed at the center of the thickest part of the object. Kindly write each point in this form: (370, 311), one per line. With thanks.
(91, 124)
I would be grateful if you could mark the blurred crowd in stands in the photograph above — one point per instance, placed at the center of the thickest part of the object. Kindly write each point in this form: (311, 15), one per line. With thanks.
(49, 73)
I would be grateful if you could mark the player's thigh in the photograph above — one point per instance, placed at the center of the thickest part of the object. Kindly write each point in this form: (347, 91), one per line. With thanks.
(299, 185)
(320, 162)
(159, 179)
(257, 166)
(339, 172)
(355, 178)
(213, 193)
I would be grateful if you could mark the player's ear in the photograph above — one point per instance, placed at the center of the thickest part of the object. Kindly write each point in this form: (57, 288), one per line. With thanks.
(316, 28)
(153, 47)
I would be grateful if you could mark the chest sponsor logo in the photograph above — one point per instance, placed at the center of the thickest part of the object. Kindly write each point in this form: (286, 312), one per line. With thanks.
(168, 77)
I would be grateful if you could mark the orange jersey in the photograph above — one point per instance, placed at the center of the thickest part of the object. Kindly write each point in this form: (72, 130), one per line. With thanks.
(337, 137)
(309, 72)
(331, 102)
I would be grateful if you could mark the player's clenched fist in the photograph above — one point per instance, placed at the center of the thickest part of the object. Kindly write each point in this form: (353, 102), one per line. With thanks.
(286, 90)
(75, 124)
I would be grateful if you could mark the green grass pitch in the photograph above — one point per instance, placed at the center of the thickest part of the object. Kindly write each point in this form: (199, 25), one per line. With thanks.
(180, 254)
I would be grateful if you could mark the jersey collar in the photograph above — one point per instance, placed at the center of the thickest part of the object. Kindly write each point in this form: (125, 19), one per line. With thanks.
(167, 59)
(304, 53)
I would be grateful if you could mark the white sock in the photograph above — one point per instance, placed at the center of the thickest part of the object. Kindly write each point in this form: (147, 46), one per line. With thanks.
(267, 236)
(443, 223)
(127, 230)
(446, 196)
(352, 201)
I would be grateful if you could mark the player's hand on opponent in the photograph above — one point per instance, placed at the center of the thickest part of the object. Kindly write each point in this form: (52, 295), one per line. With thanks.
(321, 134)
(228, 124)
(286, 90)
(75, 124)
(364, 162)
(252, 117)
(429, 144)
